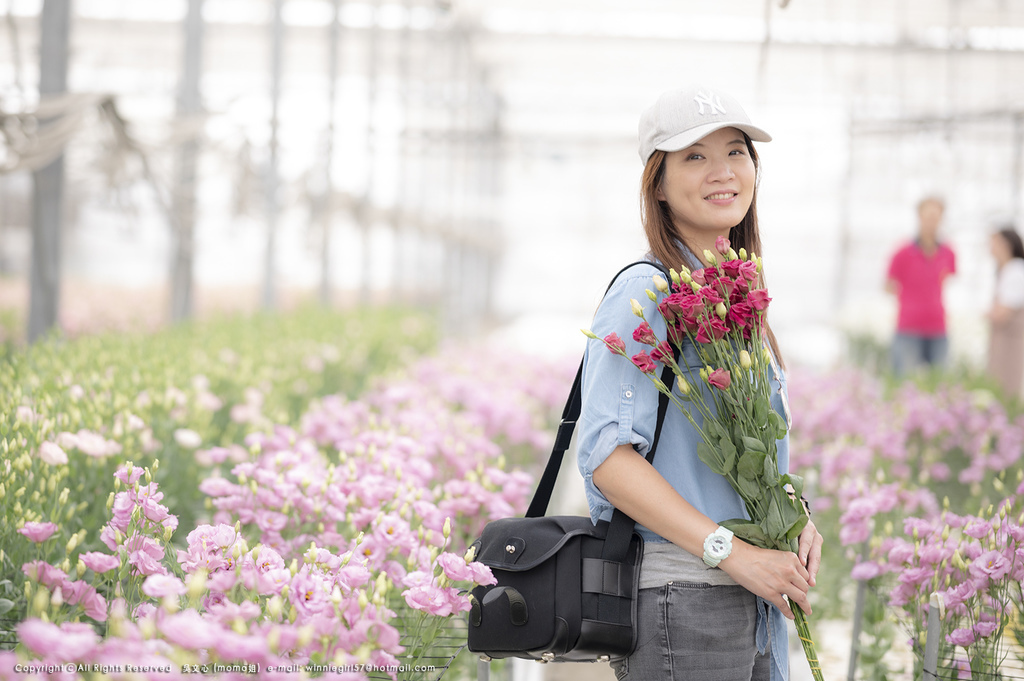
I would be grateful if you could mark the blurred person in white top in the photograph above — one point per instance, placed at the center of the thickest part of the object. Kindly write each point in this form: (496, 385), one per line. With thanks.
(1006, 317)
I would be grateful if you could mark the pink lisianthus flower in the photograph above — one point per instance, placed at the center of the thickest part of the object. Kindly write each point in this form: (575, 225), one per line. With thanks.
(455, 567)
(188, 630)
(739, 314)
(614, 343)
(710, 296)
(961, 637)
(991, 564)
(158, 586)
(100, 562)
(127, 478)
(644, 362)
(758, 299)
(710, 330)
(866, 571)
(85, 595)
(722, 245)
(959, 594)
(429, 599)
(644, 334)
(51, 453)
(70, 641)
(985, 629)
(45, 574)
(662, 353)
(915, 576)
(38, 532)
(978, 528)
(720, 378)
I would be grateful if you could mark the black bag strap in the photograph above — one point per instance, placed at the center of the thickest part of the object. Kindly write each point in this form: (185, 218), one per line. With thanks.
(621, 529)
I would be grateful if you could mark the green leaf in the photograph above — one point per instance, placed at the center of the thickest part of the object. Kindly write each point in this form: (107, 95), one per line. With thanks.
(5, 606)
(753, 444)
(715, 429)
(729, 454)
(751, 464)
(761, 409)
(797, 527)
(798, 484)
(711, 458)
(770, 474)
(747, 531)
(775, 526)
(748, 489)
(780, 424)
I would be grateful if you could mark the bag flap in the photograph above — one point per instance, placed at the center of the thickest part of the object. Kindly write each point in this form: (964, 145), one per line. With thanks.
(519, 544)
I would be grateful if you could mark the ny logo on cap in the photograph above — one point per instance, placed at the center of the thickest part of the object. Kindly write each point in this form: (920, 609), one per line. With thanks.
(711, 100)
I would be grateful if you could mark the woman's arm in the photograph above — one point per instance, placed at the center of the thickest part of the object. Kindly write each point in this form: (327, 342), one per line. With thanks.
(631, 484)
(999, 314)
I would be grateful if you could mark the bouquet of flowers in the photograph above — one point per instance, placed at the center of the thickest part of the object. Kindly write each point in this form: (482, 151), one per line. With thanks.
(720, 310)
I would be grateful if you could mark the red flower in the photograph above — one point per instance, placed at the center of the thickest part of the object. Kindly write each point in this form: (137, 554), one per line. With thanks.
(662, 352)
(711, 330)
(710, 295)
(732, 268)
(643, 362)
(758, 299)
(749, 270)
(739, 315)
(614, 343)
(720, 378)
(644, 334)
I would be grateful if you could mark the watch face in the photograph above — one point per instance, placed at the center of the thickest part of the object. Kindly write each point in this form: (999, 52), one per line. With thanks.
(718, 546)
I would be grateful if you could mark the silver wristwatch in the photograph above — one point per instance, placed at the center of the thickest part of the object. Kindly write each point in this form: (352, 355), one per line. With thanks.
(717, 546)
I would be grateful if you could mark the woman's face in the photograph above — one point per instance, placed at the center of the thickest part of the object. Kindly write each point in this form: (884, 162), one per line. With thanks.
(999, 248)
(709, 185)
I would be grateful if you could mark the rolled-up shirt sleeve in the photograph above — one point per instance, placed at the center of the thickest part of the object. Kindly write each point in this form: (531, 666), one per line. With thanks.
(619, 403)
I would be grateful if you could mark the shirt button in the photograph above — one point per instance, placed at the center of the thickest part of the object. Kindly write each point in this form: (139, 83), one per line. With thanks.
(629, 393)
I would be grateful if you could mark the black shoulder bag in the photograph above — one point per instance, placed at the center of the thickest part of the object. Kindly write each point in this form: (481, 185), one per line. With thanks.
(567, 588)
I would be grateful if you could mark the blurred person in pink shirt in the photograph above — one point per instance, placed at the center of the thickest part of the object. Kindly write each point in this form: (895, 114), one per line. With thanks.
(916, 274)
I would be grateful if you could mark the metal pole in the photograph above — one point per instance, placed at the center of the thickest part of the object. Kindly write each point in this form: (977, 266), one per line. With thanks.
(402, 247)
(183, 214)
(844, 247)
(367, 208)
(483, 670)
(328, 207)
(277, 40)
(931, 646)
(48, 183)
(858, 617)
(1018, 167)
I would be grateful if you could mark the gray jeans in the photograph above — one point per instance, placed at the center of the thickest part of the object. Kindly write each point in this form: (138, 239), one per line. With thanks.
(695, 632)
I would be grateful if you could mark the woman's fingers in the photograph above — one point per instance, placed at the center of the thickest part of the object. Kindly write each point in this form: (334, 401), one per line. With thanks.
(810, 550)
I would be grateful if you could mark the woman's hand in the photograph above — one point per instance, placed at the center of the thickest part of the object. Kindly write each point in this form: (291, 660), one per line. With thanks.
(999, 314)
(773, 575)
(809, 551)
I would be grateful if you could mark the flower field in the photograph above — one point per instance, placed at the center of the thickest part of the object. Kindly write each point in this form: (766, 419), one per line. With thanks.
(255, 495)
(921, 491)
(294, 494)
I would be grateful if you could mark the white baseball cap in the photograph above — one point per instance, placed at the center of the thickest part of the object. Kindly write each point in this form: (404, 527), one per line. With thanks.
(681, 117)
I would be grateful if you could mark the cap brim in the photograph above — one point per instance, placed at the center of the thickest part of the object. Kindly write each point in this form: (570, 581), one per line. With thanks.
(693, 135)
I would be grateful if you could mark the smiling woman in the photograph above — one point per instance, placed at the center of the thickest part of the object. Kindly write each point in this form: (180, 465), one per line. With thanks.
(710, 605)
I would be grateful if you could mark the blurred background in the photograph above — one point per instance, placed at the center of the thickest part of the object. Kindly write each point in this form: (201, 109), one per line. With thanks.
(162, 160)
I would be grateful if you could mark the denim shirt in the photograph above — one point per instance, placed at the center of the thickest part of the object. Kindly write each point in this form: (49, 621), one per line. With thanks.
(620, 407)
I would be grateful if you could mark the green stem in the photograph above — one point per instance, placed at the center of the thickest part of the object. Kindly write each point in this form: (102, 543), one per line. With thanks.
(804, 632)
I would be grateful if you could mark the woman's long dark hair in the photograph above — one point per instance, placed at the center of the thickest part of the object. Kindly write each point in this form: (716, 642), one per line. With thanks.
(1013, 239)
(663, 237)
